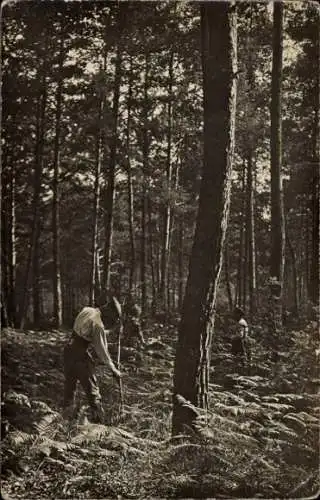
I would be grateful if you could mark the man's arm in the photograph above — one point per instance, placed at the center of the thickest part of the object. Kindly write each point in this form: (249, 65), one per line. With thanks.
(101, 347)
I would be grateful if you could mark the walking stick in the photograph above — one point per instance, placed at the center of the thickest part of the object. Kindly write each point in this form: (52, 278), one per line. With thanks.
(118, 366)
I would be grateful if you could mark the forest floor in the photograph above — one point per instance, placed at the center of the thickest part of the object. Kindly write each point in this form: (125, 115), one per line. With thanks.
(261, 438)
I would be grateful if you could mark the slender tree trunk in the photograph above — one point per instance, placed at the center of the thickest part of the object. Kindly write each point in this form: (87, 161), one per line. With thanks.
(151, 253)
(145, 160)
(32, 269)
(167, 210)
(110, 191)
(251, 238)
(307, 245)
(5, 248)
(13, 252)
(294, 275)
(277, 214)
(57, 293)
(143, 274)
(191, 374)
(240, 300)
(8, 242)
(130, 184)
(227, 276)
(94, 285)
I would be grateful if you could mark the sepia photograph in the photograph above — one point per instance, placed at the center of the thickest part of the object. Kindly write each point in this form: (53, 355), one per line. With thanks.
(160, 249)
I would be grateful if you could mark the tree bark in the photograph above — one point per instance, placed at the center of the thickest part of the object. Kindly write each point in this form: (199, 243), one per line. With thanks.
(180, 264)
(240, 296)
(277, 213)
(95, 285)
(167, 209)
(152, 263)
(294, 276)
(191, 373)
(57, 292)
(250, 229)
(130, 185)
(8, 243)
(315, 276)
(110, 191)
(32, 269)
(145, 171)
(227, 276)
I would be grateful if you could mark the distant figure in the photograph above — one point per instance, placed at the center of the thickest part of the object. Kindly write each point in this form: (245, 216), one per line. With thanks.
(90, 330)
(132, 330)
(240, 341)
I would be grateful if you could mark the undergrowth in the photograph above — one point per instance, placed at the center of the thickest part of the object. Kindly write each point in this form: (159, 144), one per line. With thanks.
(260, 438)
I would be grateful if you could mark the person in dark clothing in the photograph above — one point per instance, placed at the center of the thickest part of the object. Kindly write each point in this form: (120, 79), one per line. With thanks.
(133, 335)
(90, 331)
(240, 340)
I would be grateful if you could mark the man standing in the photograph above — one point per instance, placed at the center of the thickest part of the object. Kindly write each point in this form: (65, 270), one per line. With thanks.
(240, 341)
(132, 324)
(89, 332)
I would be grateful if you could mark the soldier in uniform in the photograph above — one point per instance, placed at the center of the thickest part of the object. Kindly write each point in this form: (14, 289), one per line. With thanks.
(90, 332)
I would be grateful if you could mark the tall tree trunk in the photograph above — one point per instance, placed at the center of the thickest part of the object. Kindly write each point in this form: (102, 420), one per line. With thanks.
(32, 269)
(277, 214)
(191, 374)
(167, 209)
(152, 263)
(130, 184)
(13, 251)
(251, 238)
(95, 284)
(145, 195)
(240, 295)
(294, 275)
(8, 242)
(57, 293)
(110, 191)
(227, 276)
(315, 276)
(5, 247)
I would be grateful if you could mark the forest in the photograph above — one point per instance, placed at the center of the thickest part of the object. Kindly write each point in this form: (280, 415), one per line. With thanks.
(167, 151)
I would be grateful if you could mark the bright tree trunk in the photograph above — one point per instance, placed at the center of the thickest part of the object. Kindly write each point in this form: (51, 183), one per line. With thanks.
(277, 214)
(57, 292)
(94, 285)
(152, 260)
(8, 244)
(130, 186)
(241, 277)
(250, 230)
(191, 374)
(167, 210)
(110, 190)
(227, 276)
(145, 195)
